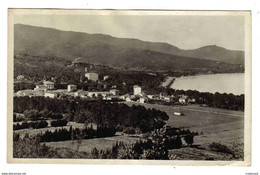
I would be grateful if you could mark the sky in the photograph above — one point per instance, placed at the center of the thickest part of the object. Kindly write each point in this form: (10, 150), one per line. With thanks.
(185, 32)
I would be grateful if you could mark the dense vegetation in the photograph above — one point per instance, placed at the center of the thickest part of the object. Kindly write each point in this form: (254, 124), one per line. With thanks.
(34, 125)
(217, 100)
(36, 68)
(57, 123)
(154, 147)
(236, 150)
(99, 112)
(150, 83)
(75, 134)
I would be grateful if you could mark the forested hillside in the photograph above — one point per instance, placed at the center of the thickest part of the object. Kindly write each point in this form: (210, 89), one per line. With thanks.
(127, 53)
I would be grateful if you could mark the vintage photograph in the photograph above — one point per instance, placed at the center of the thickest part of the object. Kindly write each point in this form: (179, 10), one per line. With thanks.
(96, 85)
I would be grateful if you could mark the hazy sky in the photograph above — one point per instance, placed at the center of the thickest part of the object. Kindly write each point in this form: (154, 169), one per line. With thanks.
(185, 32)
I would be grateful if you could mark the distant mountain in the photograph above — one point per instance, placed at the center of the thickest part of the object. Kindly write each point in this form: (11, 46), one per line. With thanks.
(108, 50)
(213, 52)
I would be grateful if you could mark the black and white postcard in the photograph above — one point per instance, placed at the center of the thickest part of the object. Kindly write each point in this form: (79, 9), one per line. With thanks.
(129, 87)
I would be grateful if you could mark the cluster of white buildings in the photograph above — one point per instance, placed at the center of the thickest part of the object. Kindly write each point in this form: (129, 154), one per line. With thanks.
(47, 90)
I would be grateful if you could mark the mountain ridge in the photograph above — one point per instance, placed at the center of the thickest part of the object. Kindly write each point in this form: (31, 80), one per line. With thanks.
(104, 48)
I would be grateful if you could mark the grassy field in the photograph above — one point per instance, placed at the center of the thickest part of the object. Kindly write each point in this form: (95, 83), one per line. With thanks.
(212, 124)
(32, 132)
(188, 153)
(87, 145)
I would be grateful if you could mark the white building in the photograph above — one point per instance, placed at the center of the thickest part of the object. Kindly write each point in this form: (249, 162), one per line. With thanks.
(114, 91)
(106, 77)
(191, 100)
(81, 93)
(41, 88)
(178, 113)
(150, 96)
(72, 88)
(167, 99)
(128, 99)
(111, 98)
(183, 99)
(96, 94)
(92, 76)
(50, 95)
(137, 90)
(29, 93)
(142, 100)
(20, 77)
(123, 97)
(49, 84)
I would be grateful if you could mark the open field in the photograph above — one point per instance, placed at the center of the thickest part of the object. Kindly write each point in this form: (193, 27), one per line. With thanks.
(32, 132)
(212, 124)
(87, 145)
(187, 153)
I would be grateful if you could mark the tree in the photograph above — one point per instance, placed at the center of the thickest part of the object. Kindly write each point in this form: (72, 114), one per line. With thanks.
(189, 139)
(84, 116)
(67, 117)
(32, 114)
(159, 149)
(95, 153)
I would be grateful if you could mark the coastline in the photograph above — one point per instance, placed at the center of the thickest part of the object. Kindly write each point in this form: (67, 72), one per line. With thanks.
(203, 85)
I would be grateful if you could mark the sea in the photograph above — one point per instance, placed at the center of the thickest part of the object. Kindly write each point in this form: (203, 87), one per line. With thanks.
(223, 83)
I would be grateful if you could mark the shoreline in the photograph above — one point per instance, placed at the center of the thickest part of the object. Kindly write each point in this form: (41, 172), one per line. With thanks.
(205, 86)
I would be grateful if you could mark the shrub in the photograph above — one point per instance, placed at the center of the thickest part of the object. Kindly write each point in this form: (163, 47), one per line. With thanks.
(32, 114)
(174, 142)
(68, 117)
(189, 139)
(30, 147)
(18, 118)
(37, 125)
(55, 116)
(57, 123)
(119, 128)
(18, 126)
(129, 130)
(220, 148)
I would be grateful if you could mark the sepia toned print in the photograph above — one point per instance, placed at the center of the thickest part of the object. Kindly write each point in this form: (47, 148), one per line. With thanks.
(129, 87)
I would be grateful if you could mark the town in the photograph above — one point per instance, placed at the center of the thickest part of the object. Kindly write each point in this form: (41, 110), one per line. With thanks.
(47, 89)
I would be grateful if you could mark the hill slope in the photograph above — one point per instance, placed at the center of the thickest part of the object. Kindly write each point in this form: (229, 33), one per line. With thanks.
(107, 50)
(213, 52)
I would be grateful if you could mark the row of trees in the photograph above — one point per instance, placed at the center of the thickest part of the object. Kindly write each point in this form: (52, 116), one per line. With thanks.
(217, 100)
(34, 114)
(34, 125)
(57, 123)
(76, 134)
(39, 124)
(99, 112)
